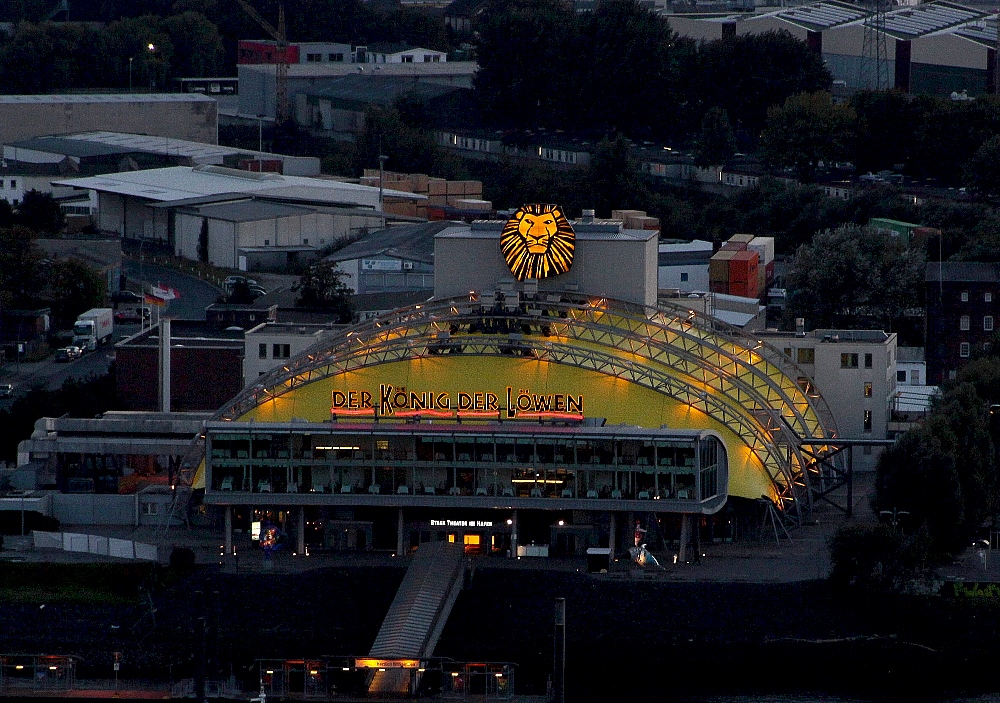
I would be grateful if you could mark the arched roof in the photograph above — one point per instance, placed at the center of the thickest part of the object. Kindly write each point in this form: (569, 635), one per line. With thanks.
(736, 379)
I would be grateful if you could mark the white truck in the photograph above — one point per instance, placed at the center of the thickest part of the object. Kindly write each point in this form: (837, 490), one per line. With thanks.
(93, 328)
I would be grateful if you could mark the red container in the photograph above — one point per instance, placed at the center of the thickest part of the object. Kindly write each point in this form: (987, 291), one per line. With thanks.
(743, 268)
(733, 246)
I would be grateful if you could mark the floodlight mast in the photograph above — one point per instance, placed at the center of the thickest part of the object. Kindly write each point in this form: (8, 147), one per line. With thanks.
(281, 110)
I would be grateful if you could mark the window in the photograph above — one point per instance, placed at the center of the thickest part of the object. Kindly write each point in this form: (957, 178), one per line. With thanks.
(267, 242)
(13, 185)
(407, 59)
(988, 297)
(427, 58)
(787, 351)
(684, 277)
(988, 323)
(306, 240)
(262, 351)
(963, 350)
(868, 361)
(337, 57)
(868, 421)
(807, 355)
(963, 323)
(915, 377)
(965, 296)
(900, 377)
(280, 351)
(868, 389)
(848, 361)
(150, 509)
(314, 58)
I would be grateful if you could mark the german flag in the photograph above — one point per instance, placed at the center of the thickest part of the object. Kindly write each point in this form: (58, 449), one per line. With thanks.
(153, 300)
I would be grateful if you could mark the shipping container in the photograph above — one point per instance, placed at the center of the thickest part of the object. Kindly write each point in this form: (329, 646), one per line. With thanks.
(744, 238)
(734, 246)
(769, 271)
(743, 267)
(719, 286)
(764, 246)
(718, 265)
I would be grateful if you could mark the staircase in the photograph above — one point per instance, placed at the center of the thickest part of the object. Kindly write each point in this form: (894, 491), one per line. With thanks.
(418, 613)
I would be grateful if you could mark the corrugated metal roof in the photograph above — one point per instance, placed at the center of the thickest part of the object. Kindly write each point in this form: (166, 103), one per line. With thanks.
(963, 272)
(413, 242)
(926, 19)
(251, 211)
(107, 98)
(184, 182)
(821, 15)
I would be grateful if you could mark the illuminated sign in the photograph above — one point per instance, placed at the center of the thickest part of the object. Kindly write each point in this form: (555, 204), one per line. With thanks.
(461, 523)
(386, 664)
(537, 242)
(397, 401)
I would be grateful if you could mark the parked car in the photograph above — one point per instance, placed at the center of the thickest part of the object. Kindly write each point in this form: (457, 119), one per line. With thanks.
(128, 317)
(6, 390)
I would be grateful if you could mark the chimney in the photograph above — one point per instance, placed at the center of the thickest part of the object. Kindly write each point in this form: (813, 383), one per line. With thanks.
(587, 217)
(800, 327)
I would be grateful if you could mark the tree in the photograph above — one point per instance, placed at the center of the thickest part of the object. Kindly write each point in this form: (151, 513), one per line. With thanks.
(75, 288)
(716, 143)
(982, 171)
(612, 180)
(322, 286)
(877, 558)
(40, 212)
(524, 47)
(21, 275)
(807, 129)
(197, 45)
(747, 74)
(851, 276)
(886, 122)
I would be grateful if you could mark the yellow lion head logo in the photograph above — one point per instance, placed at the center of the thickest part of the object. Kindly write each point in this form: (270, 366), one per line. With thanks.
(538, 241)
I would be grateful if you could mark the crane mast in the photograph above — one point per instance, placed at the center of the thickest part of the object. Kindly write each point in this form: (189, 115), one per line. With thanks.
(281, 110)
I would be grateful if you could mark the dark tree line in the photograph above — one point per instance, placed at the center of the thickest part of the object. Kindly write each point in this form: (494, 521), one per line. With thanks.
(621, 68)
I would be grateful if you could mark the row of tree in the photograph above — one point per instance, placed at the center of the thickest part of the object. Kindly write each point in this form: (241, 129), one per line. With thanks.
(109, 47)
(952, 142)
(621, 68)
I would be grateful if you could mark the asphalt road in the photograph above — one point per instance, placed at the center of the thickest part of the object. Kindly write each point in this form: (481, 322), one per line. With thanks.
(195, 295)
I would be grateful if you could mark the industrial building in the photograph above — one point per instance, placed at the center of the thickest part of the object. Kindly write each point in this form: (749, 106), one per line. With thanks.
(535, 416)
(933, 48)
(258, 90)
(242, 218)
(188, 116)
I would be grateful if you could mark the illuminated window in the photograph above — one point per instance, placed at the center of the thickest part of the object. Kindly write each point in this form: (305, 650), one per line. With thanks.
(963, 350)
(471, 540)
(988, 297)
(807, 355)
(868, 389)
(988, 323)
(382, 444)
(868, 421)
(965, 296)
(963, 322)
(451, 537)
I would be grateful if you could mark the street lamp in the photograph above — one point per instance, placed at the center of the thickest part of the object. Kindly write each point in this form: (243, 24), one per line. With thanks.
(381, 177)
(260, 143)
(130, 60)
(152, 75)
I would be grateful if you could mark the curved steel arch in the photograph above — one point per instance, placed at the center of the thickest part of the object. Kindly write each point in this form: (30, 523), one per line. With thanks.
(690, 357)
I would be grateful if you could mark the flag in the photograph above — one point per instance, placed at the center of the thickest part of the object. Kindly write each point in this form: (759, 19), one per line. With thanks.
(153, 300)
(164, 292)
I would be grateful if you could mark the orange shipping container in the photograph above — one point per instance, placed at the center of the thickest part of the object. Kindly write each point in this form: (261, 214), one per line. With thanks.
(743, 267)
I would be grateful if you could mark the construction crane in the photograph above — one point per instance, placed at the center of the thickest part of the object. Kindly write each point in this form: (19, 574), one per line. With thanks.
(281, 111)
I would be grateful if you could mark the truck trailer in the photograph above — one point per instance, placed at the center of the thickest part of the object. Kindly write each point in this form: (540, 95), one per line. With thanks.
(93, 328)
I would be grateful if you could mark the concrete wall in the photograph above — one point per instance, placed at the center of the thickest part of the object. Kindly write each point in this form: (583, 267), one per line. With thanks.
(624, 269)
(196, 119)
(670, 276)
(93, 509)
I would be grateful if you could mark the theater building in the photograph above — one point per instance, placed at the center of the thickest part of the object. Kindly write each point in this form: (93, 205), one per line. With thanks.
(538, 404)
